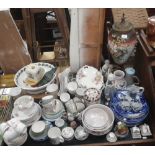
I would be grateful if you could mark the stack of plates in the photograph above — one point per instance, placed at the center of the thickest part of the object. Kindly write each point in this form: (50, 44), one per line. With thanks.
(21, 76)
(27, 118)
(97, 119)
(124, 109)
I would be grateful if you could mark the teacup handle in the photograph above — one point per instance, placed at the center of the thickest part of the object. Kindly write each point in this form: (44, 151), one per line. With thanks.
(137, 80)
(61, 139)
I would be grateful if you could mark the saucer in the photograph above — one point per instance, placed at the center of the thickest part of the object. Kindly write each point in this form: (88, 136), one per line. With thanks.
(42, 136)
(28, 120)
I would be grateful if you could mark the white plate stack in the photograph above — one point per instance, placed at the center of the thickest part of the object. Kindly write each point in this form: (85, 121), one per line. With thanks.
(97, 119)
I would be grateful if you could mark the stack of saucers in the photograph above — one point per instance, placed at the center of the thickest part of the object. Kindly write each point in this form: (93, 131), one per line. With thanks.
(39, 130)
(52, 110)
(97, 119)
(26, 110)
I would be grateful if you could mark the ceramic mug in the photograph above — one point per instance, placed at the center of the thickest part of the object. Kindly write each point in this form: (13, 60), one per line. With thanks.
(52, 89)
(55, 136)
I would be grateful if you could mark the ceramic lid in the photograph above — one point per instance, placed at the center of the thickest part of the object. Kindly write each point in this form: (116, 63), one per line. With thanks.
(122, 26)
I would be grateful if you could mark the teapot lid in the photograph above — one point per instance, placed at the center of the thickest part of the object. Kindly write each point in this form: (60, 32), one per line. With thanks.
(123, 25)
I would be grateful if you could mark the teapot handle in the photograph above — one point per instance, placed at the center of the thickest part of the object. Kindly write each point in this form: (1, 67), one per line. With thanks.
(109, 26)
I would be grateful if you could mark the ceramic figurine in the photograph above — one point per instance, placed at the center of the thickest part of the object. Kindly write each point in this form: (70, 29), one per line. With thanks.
(105, 67)
(111, 137)
(145, 130)
(135, 132)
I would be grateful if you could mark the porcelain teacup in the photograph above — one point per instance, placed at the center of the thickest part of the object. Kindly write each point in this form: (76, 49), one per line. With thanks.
(55, 136)
(80, 133)
(38, 127)
(68, 133)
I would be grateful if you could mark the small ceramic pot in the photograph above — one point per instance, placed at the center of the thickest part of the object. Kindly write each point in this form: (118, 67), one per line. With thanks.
(52, 89)
(68, 133)
(55, 136)
(92, 96)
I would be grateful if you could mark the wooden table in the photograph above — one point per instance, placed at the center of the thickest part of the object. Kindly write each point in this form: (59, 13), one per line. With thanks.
(7, 81)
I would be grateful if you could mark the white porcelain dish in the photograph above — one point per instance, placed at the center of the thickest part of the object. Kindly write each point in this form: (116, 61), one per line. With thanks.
(89, 77)
(21, 76)
(97, 119)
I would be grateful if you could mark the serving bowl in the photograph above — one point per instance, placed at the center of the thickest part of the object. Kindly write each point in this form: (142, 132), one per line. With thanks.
(97, 119)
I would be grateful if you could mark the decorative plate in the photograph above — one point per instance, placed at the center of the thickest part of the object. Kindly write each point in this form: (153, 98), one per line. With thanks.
(131, 109)
(21, 76)
(97, 117)
(89, 77)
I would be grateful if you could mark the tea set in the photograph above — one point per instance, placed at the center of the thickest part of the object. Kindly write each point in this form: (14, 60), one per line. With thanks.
(73, 110)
